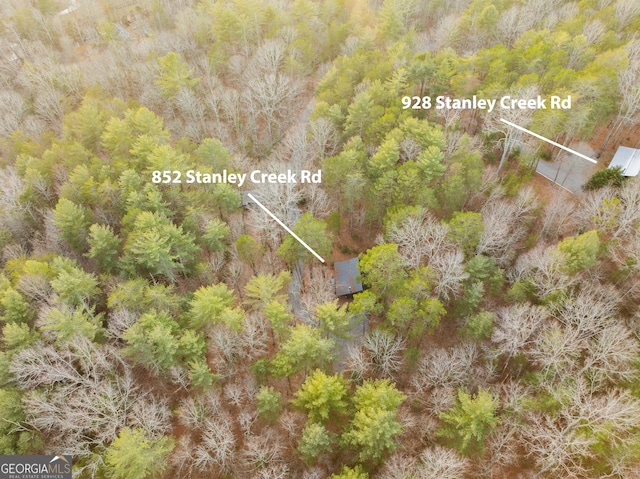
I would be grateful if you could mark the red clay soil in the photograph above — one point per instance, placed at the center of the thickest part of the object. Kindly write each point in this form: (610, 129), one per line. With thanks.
(546, 190)
(630, 136)
(351, 241)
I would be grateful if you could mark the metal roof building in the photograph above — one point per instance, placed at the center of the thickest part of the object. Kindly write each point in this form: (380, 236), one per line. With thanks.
(346, 277)
(628, 159)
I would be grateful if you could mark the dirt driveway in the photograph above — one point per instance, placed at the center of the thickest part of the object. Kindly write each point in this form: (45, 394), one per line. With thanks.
(570, 171)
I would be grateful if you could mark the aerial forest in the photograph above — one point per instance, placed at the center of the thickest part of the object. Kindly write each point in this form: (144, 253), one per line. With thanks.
(157, 328)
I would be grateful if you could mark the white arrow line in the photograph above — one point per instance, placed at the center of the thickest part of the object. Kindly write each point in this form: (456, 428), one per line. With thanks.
(285, 227)
(548, 140)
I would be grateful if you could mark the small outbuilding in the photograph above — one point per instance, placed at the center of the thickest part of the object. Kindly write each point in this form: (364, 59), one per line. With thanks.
(246, 201)
(347, 273)
(628, 159)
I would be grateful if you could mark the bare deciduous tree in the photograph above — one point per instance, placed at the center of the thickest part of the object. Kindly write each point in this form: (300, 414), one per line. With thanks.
(323, 137)
(551, 12)
(446, 32)
(511, 136)
(235, 393)
(82, 396)
(611, 355)
(270, 93)
(625, 11)
(269, 57)
(385, 351)
(225, 347)
(317, 202)
(294, 148)
(192, 413)
(439, 400)
(626, 255)
(317, 290)
(119, 320)
(628, 79)
(314, 473)
(557, 220)
(182, 456)
(273, 471)
(152, 414)
(589, 213)
(557, 352)
(419, 237)
(292, 423)
(218, 446)
(246, 421)
(615, 212)
(449, 269)
(504, 225)
(357, 363)
(502, 451)
(594, 30)
(445, 368)
(12, 210)
(629, 217)
(513, 23)
(254, 337)
(35, 287)
(194, 113)
(261, 452)
(560, 443)
(12, 109)
(398, 466)
(43, 365)
(409, 149)
(179, 376)
(282, 200)
(516, 327)
(442, 463)
(589, 310)
(541, 267)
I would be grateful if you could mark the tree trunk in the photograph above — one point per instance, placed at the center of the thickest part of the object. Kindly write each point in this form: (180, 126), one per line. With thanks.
(559, 165)
(505, 154)
(616, 140)
(614, 126)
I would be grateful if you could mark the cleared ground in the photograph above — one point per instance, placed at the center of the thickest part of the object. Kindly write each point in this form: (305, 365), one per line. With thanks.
(570, 171)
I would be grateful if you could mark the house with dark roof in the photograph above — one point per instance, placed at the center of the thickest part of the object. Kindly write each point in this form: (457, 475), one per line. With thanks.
(628, 159)
(346, 279)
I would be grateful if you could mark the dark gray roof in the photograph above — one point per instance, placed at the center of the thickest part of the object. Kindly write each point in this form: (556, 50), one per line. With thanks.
(346, 274)
(628, 159)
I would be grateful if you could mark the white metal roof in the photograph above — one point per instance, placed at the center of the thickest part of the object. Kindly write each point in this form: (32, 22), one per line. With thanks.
(628, 159)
